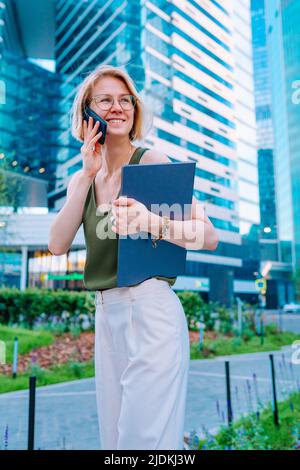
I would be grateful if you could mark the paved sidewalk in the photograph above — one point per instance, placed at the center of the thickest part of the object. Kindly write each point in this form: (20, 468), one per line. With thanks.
(66, 413)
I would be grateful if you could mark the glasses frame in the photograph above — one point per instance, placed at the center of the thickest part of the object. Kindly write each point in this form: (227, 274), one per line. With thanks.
(135, 99)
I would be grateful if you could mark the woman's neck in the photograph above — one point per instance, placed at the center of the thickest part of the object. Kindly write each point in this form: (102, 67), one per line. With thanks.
(115, 155)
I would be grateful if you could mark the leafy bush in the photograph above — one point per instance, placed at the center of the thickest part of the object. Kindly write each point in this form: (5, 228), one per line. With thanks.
(247, 334)
(257, 431)
(236, 343)
(34, 308)
(249, 435)
(192, 304)
(197, 310)
(35, 369)
(77, 368)
(272, 328)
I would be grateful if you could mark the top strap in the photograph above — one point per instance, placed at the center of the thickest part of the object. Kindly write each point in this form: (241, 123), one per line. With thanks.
(138, 155)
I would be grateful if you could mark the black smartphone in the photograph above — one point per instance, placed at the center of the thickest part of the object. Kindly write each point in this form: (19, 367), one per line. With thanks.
(88, 112)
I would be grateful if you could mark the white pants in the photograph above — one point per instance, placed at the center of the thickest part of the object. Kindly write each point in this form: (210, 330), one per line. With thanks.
(142, 355)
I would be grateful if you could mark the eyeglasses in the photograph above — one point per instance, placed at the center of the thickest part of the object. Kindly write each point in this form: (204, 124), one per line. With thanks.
(105, 102)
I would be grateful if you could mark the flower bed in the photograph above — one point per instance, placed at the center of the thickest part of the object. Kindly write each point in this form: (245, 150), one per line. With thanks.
(65, 348)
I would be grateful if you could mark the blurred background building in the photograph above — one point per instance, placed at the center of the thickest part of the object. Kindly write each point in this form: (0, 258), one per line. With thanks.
(193, 63)
(276, 268)
(283, 32)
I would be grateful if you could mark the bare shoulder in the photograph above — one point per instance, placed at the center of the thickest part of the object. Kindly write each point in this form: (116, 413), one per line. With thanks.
(154, 156)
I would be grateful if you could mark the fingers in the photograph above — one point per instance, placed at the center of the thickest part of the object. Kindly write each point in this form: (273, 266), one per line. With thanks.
(94, 139)
(84, 129)
(90, 146)
(124, 201)
(94, 129)
(88, 128)
(90, 132)
(90, 124)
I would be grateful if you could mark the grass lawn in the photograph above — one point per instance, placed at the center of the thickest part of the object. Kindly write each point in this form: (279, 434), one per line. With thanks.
(63, 373)
(27, 340)
(225, 345)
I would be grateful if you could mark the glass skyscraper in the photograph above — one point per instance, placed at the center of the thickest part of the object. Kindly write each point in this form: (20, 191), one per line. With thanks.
(192, 63)
(283, 37)
(29, 113)
(265, 137)
(276, 269)
(29, 130)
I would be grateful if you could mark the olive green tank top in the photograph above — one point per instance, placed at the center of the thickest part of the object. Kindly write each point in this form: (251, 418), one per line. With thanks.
(100, 270)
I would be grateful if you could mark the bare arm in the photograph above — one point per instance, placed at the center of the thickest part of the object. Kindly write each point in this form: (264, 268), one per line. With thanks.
(67, 222)
(198, 233)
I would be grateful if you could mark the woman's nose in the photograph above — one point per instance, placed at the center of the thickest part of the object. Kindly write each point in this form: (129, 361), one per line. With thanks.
(116, 105)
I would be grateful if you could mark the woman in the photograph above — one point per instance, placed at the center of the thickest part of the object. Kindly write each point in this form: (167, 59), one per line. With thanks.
(141, 335)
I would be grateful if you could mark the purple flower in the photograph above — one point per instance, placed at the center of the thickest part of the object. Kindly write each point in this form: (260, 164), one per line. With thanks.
(34, 358)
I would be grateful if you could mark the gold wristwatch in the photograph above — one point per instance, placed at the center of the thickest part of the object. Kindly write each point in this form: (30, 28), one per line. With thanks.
(164, 231)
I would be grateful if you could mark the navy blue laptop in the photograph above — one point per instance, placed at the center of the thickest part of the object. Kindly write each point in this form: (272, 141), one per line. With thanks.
(159, 183)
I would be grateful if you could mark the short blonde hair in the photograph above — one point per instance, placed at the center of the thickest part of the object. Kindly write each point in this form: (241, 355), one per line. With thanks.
(84, 93)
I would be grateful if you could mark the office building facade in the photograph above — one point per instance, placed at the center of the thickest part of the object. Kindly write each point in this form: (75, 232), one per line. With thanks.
(29, 131)
(283, 38)
(277, 272)
(192, 63)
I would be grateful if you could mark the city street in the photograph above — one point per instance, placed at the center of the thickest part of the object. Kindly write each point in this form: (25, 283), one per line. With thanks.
(66, 413)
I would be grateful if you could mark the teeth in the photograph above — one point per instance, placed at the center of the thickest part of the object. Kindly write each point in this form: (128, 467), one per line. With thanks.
(115, 120)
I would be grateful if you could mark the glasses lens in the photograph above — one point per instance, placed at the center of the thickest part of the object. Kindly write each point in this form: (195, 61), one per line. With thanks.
(105, 102)
(128, 101)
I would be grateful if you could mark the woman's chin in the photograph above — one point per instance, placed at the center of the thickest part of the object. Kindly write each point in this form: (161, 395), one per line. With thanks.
(117, 132)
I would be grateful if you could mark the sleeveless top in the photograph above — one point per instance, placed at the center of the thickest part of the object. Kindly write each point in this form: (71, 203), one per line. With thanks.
(100, 270)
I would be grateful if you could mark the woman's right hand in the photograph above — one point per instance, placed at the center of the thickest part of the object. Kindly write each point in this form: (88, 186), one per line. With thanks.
(91, 150)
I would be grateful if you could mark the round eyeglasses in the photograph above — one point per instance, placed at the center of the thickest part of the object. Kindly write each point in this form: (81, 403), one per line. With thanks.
(105, 102)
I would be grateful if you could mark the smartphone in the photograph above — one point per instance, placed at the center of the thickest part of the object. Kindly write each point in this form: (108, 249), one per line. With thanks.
(88, 112)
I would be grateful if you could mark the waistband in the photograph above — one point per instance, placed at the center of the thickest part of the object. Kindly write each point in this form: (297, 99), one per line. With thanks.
(129, 292)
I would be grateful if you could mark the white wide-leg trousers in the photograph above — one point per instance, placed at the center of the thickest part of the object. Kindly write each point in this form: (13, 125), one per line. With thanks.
(142, 356)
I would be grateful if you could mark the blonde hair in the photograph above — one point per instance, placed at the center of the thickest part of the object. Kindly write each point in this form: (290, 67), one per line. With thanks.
(83, 96)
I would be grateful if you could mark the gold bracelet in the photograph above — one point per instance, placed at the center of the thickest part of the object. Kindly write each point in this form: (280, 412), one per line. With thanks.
(163, 231)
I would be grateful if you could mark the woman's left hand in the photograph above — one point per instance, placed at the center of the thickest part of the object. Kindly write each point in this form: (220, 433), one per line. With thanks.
(130, 216)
